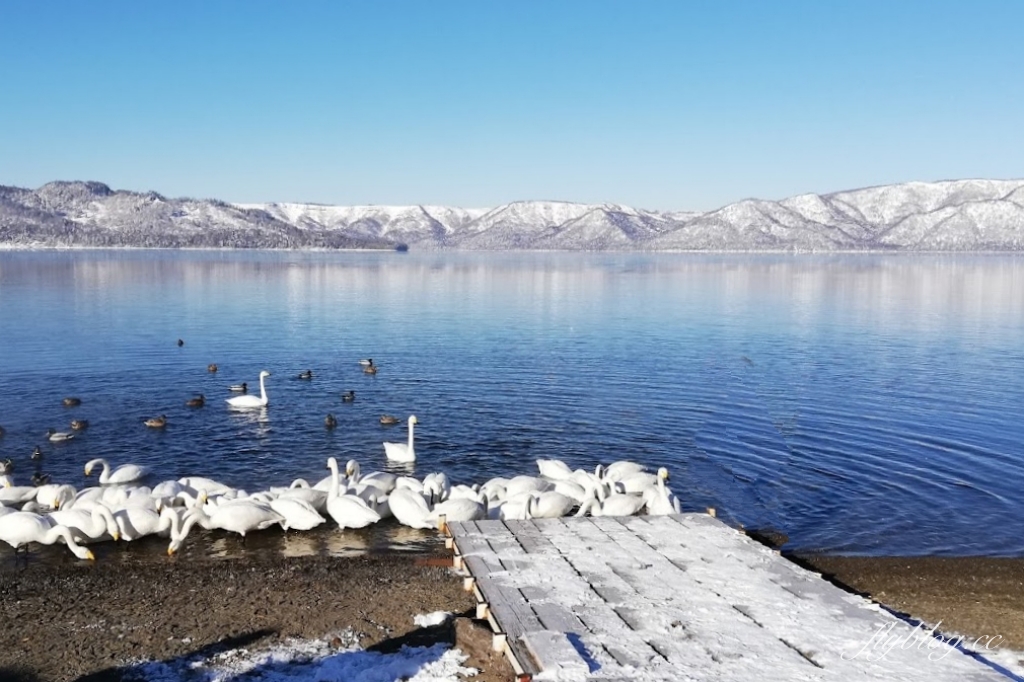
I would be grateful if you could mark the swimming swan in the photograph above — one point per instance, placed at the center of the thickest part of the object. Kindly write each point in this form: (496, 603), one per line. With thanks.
(402, 452)
(123, 474)
(18, 529)
(248, 401)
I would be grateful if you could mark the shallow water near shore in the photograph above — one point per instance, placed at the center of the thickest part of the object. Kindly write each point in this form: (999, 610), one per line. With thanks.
(862, 404)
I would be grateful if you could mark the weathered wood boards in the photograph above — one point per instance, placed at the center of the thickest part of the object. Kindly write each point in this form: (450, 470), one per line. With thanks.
(680, 597)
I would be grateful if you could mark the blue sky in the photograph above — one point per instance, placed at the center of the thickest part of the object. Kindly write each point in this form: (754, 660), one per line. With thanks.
(660, 105)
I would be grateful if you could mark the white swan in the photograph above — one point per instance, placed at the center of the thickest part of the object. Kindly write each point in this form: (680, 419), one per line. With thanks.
(410, 509)
(461, 509)
(298, 514)
(402, 452)
(122, 474)
(348, 511)
(551, 505)
(87, 525)
(554, 469)
(237, 516)
(248, 401)
(616, 504)
(661, 501)
(20, 528)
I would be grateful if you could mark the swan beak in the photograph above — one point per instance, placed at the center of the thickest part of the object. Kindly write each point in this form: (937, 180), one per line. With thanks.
(664, 475)
(88, 472)
(170, 551)
(56, 504)
(116, 535)
(89, 555)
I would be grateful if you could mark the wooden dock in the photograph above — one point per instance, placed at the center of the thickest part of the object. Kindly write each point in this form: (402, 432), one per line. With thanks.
(682, 597)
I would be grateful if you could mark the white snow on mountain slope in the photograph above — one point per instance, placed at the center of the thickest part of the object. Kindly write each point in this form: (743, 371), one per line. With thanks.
(958, 215)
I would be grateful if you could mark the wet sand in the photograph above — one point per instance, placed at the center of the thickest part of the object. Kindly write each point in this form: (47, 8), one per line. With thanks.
(62, 619)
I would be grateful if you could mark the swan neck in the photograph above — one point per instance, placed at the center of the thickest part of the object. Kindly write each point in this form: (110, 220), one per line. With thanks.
(263, 389)
(335, 485)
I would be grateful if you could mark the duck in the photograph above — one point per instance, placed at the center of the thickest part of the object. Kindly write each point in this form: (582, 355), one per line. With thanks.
(366, 362)
(389, 420)
(198, 401)
(370, 369)
(79, 424)
(348, 396)
(402, 452)
(212, 367)
(40, 479)
(126, 473)
(308, 374)
(330, 421)
(37, 454)
(18, 529)
(156, 422)
(56, 436)
(71, 401)
(181, 342)
(239, 388)
(250, 401)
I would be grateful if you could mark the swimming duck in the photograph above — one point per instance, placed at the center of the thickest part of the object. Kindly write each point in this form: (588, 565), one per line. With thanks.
(180, 343)
(39, 478)
(366, 362)
(79, 424)
(72, 402)
(308, 374)
(56, 436)
(239, 388)
(348, 396)
(198, 401)
(37, 453)
(330, 421)
(212, 367)
(388, 419)
(157, 422)
(370, 369)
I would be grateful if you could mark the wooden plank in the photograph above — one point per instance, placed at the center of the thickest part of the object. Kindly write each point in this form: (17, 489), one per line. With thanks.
(557, 618)
(556, 655)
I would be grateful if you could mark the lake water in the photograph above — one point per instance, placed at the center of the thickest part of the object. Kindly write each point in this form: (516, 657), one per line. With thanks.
(862, 404)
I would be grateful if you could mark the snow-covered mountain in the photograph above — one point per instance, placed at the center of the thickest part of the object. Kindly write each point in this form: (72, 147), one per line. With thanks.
(960, 215)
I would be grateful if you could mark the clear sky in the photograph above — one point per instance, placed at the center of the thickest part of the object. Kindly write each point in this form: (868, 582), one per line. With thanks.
(662, 105)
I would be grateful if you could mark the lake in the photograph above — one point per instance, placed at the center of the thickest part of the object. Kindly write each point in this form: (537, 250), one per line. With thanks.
(862, 404)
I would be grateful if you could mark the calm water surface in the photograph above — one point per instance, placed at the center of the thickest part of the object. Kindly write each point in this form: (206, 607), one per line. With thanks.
(861, 404)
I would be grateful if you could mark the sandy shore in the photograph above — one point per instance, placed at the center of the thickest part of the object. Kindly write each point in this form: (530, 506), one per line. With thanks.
(975, 597)
(83, 621)
(70, 620)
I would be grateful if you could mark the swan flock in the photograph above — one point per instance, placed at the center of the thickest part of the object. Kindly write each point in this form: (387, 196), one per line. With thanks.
(123, 508)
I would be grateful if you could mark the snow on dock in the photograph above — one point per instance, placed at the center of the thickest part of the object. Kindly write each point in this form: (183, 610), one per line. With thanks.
(681, 597)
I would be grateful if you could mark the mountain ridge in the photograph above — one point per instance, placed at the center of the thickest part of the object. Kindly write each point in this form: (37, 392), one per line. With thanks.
(948, 215)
